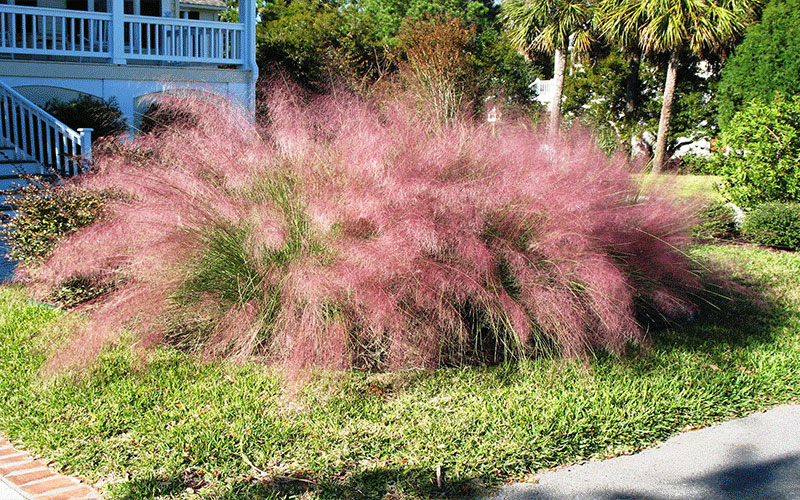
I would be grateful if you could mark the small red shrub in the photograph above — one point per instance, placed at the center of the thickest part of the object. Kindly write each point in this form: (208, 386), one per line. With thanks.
(342, 236)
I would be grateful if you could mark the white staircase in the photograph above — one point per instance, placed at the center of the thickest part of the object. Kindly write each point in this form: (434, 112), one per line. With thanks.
(13, 165)
(33, 142)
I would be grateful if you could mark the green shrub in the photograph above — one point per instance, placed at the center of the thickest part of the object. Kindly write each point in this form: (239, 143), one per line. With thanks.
(764, 160)
(699, 164)
(44, 215)
(717, 222)
(775, 225)
(158, 119)
(104, 117)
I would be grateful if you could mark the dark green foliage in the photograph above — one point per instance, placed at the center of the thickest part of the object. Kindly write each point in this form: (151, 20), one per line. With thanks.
(693, 113)
(774, 224)
(329, 43)
(303, 37)
(768, 60)
(86, 111)
(764, 162)
(698, 164)
(224, 270)
(158, 119)
(717, 221)
(44, 215)
(596, 97)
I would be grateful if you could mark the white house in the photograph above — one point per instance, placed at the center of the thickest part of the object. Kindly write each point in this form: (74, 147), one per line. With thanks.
(131, 50)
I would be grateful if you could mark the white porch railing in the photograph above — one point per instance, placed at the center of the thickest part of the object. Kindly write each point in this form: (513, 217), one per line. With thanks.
(56, 32)
(39, 136)
(181, 40)
(33, 30)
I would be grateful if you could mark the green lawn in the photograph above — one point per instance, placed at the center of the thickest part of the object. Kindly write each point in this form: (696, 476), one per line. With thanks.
(176, 428)
(686, 186)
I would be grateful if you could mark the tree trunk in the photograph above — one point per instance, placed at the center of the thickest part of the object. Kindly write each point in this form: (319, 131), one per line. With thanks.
(632, 82)
(555, 106)
(666, 112)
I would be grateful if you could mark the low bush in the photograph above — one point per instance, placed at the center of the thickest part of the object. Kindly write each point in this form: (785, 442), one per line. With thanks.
(716, 221)
(698, 164)
(344, 236)
(763, 164)
(774, 224)
(86, 111)
(158, 118)
(45, 214)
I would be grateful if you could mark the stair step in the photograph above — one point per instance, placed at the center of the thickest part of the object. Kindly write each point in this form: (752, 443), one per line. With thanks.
(15, 162)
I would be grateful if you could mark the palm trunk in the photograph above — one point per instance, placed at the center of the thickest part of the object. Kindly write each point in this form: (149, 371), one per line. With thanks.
(555, 106)
(632, 81)
(666, 112)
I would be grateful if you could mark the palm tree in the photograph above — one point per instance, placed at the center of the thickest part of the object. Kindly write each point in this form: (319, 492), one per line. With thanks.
(675, 28)
(548, 27)
(627, 42)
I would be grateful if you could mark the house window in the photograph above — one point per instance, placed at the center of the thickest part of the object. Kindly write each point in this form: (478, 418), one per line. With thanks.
(150, 8)
(190, 14)
(77, 4)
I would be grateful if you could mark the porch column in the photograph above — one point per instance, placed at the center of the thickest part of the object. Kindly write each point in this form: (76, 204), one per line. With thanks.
(247, 16)
(118, 32)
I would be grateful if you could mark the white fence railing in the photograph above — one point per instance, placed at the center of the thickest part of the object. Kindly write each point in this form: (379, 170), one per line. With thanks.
(39, 136)
(27, 30)
(182, 40)
(58, 32)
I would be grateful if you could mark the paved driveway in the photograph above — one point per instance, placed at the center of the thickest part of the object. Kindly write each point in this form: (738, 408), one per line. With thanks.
(757, 457)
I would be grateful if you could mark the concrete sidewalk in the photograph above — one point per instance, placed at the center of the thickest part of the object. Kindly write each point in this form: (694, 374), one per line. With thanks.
(756, 457)
(7, 492)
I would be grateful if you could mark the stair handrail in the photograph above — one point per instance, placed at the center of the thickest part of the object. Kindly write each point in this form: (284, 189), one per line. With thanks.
(41, 137)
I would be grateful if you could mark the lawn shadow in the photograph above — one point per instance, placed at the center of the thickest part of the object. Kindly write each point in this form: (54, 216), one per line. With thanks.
(733, 320)
(374, 484)
(158, 486)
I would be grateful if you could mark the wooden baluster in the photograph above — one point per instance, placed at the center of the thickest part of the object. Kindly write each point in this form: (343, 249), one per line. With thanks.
(30, 138)
(41, 126)
(23, 134)
(5, 127)
(48, 141)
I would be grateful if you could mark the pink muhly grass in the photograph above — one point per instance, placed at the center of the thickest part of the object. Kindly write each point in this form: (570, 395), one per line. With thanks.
(346, 236)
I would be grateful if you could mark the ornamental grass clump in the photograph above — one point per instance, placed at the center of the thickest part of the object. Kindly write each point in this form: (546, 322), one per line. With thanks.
(349, 236)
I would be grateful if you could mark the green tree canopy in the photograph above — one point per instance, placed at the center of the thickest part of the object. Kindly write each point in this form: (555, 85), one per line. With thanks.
(768, 60)
(357, 43)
